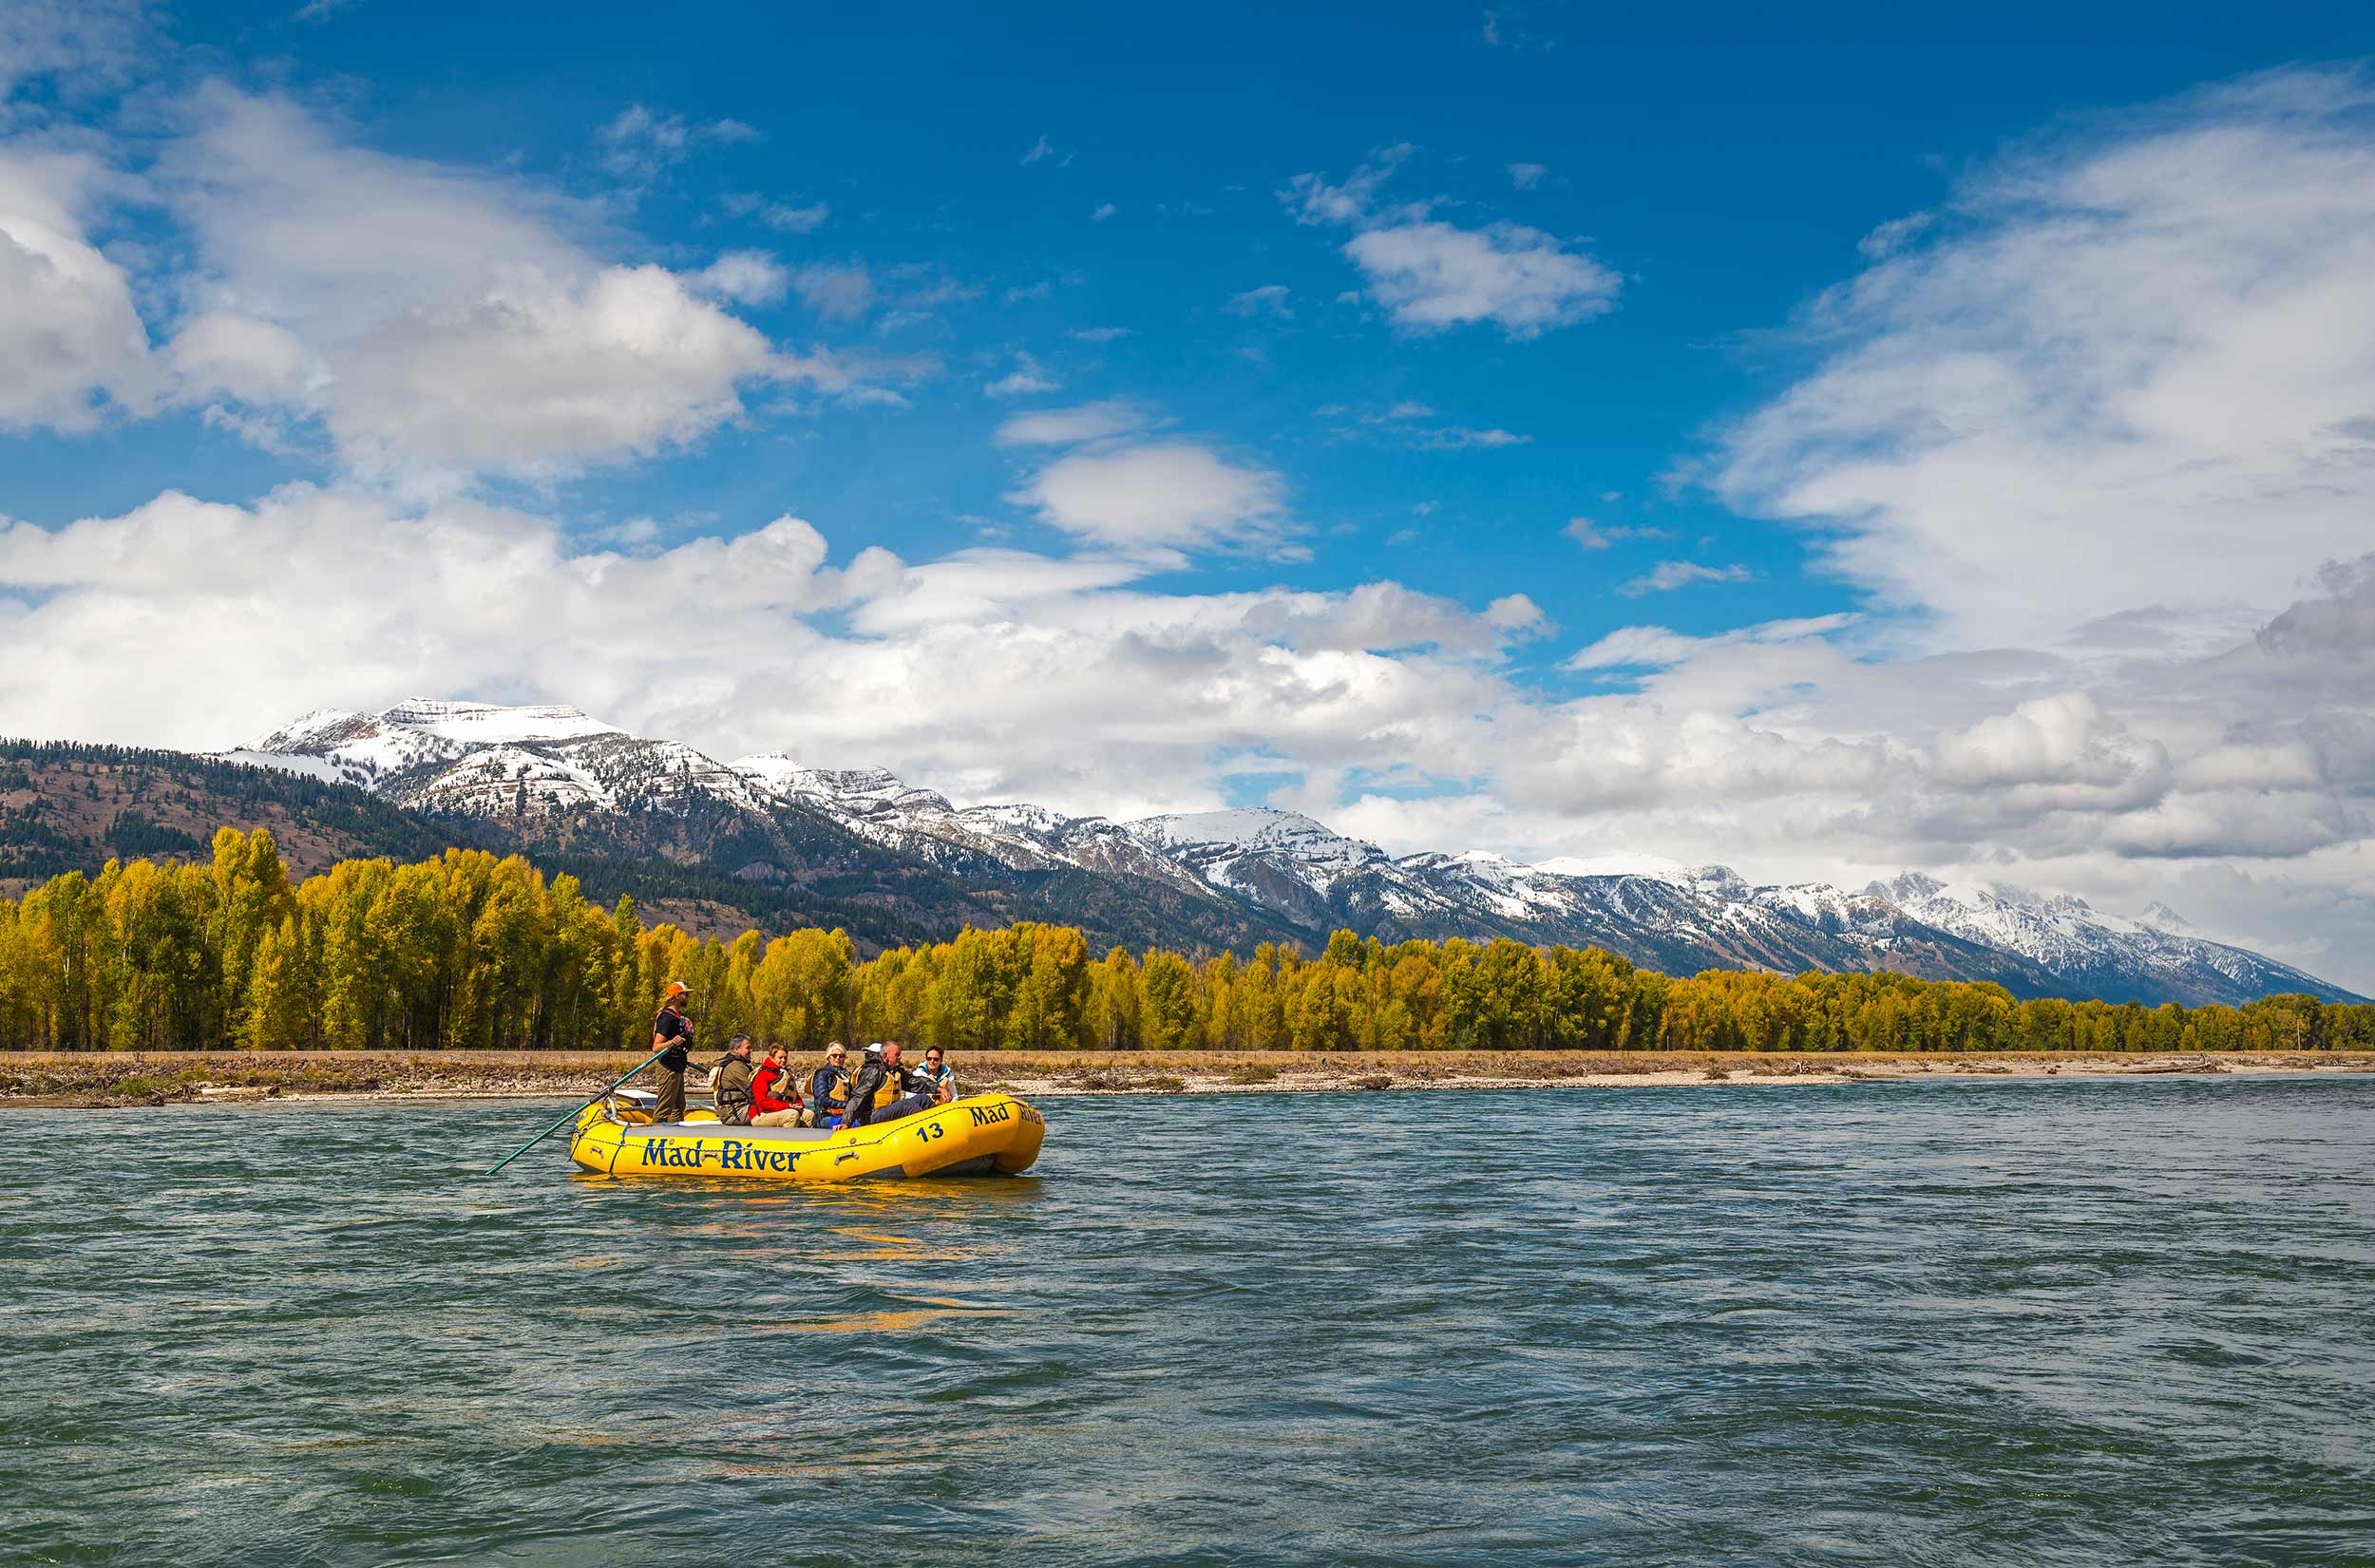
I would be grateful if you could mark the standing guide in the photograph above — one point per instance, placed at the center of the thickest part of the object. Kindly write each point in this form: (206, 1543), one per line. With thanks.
(671, 1033)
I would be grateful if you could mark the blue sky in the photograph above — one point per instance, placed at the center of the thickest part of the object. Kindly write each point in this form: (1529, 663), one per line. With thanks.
(1799, 438)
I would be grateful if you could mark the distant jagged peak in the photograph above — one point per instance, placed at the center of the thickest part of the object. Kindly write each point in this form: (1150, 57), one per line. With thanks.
(783, 774)
(2159, 916)
(322, 727)
(1256, 828)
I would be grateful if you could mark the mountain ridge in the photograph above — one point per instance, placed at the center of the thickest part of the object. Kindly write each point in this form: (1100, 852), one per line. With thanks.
(553, 773)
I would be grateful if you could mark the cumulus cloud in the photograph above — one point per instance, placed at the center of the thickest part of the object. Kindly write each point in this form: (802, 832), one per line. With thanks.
(1119, 487)
(448, 324)
(1432, 275)
(1159, 494)
(72, 344)
(1027, 675)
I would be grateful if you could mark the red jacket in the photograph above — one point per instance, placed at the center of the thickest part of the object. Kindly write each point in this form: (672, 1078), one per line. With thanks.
(761, 1101)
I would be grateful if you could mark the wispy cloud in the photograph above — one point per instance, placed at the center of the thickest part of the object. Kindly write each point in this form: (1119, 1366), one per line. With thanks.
(837, 291)
(638, 143)
(782, 216)
(1669, 574)
(1269, 299)
(1595, 535)
(1026, 378)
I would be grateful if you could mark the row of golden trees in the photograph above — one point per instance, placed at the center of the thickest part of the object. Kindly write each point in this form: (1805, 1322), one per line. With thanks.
(471, 950)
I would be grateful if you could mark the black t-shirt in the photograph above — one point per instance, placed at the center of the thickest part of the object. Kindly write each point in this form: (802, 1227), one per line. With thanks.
(676, 1029)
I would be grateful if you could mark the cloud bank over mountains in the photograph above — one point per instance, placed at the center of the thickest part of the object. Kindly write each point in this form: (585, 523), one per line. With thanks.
(2094, 441)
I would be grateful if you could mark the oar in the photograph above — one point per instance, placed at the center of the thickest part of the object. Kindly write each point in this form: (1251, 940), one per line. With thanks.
(571, 1114)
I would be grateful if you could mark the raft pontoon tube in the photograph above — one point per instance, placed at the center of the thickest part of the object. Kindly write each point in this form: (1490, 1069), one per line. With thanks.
(980, 1135)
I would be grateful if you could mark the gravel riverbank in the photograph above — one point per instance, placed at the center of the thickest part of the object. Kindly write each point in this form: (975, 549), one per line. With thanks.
(103, 1079)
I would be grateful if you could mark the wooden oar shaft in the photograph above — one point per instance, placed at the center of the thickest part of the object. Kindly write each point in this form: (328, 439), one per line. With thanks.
(570, 1115)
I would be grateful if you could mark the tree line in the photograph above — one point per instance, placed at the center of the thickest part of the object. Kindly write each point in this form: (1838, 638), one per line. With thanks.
(470, 950)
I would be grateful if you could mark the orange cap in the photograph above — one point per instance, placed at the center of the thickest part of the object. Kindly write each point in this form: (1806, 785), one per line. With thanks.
(675, 988)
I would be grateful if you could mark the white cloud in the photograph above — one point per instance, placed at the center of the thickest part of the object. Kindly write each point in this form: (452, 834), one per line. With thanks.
(451, 324)
(1102, 335)
(2128, 370)
(1026, 674)
(1162, 495)
(1104, 210)
(224, 352)
(1668, 574)
(526, 354)
(748, 277)
(1432, 275)
(1527, 176)
(71, 341)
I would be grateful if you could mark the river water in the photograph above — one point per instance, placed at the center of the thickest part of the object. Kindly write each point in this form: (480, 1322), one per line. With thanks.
(2054, 1322)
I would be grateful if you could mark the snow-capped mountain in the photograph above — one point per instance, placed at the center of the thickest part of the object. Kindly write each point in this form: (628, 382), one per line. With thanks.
(481, 760)
(552, 771)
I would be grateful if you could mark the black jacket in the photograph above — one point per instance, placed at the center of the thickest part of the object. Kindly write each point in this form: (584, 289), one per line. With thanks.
(676, 1029)
(872, 1077)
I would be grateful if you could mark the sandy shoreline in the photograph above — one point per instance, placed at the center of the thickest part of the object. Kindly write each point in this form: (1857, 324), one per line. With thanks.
(98, 1080)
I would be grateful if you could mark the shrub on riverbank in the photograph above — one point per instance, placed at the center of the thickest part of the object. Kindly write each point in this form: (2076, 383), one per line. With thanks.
(470, 952)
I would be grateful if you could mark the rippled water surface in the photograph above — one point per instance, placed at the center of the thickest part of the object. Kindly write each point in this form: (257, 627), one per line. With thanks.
(2110, 1322)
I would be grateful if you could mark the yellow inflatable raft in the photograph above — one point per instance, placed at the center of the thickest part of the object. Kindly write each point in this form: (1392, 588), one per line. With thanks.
(980, 1135)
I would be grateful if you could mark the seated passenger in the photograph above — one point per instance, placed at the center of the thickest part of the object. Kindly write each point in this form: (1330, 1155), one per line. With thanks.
(730, 1085)
(829, 1090)
(766, 1110)
(908, 1091)
(943, 1076)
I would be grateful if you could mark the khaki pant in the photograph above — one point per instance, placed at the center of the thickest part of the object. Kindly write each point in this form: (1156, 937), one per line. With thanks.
(670, 1107)
(783, 1119)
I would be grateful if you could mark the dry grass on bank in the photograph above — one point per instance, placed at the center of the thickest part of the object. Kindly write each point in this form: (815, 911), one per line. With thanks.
(56, 1078)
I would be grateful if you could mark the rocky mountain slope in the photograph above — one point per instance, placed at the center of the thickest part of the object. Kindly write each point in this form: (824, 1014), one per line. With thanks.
(553, 779)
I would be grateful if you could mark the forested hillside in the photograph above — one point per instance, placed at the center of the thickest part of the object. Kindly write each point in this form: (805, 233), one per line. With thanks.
(467, 950)
(715, 871)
